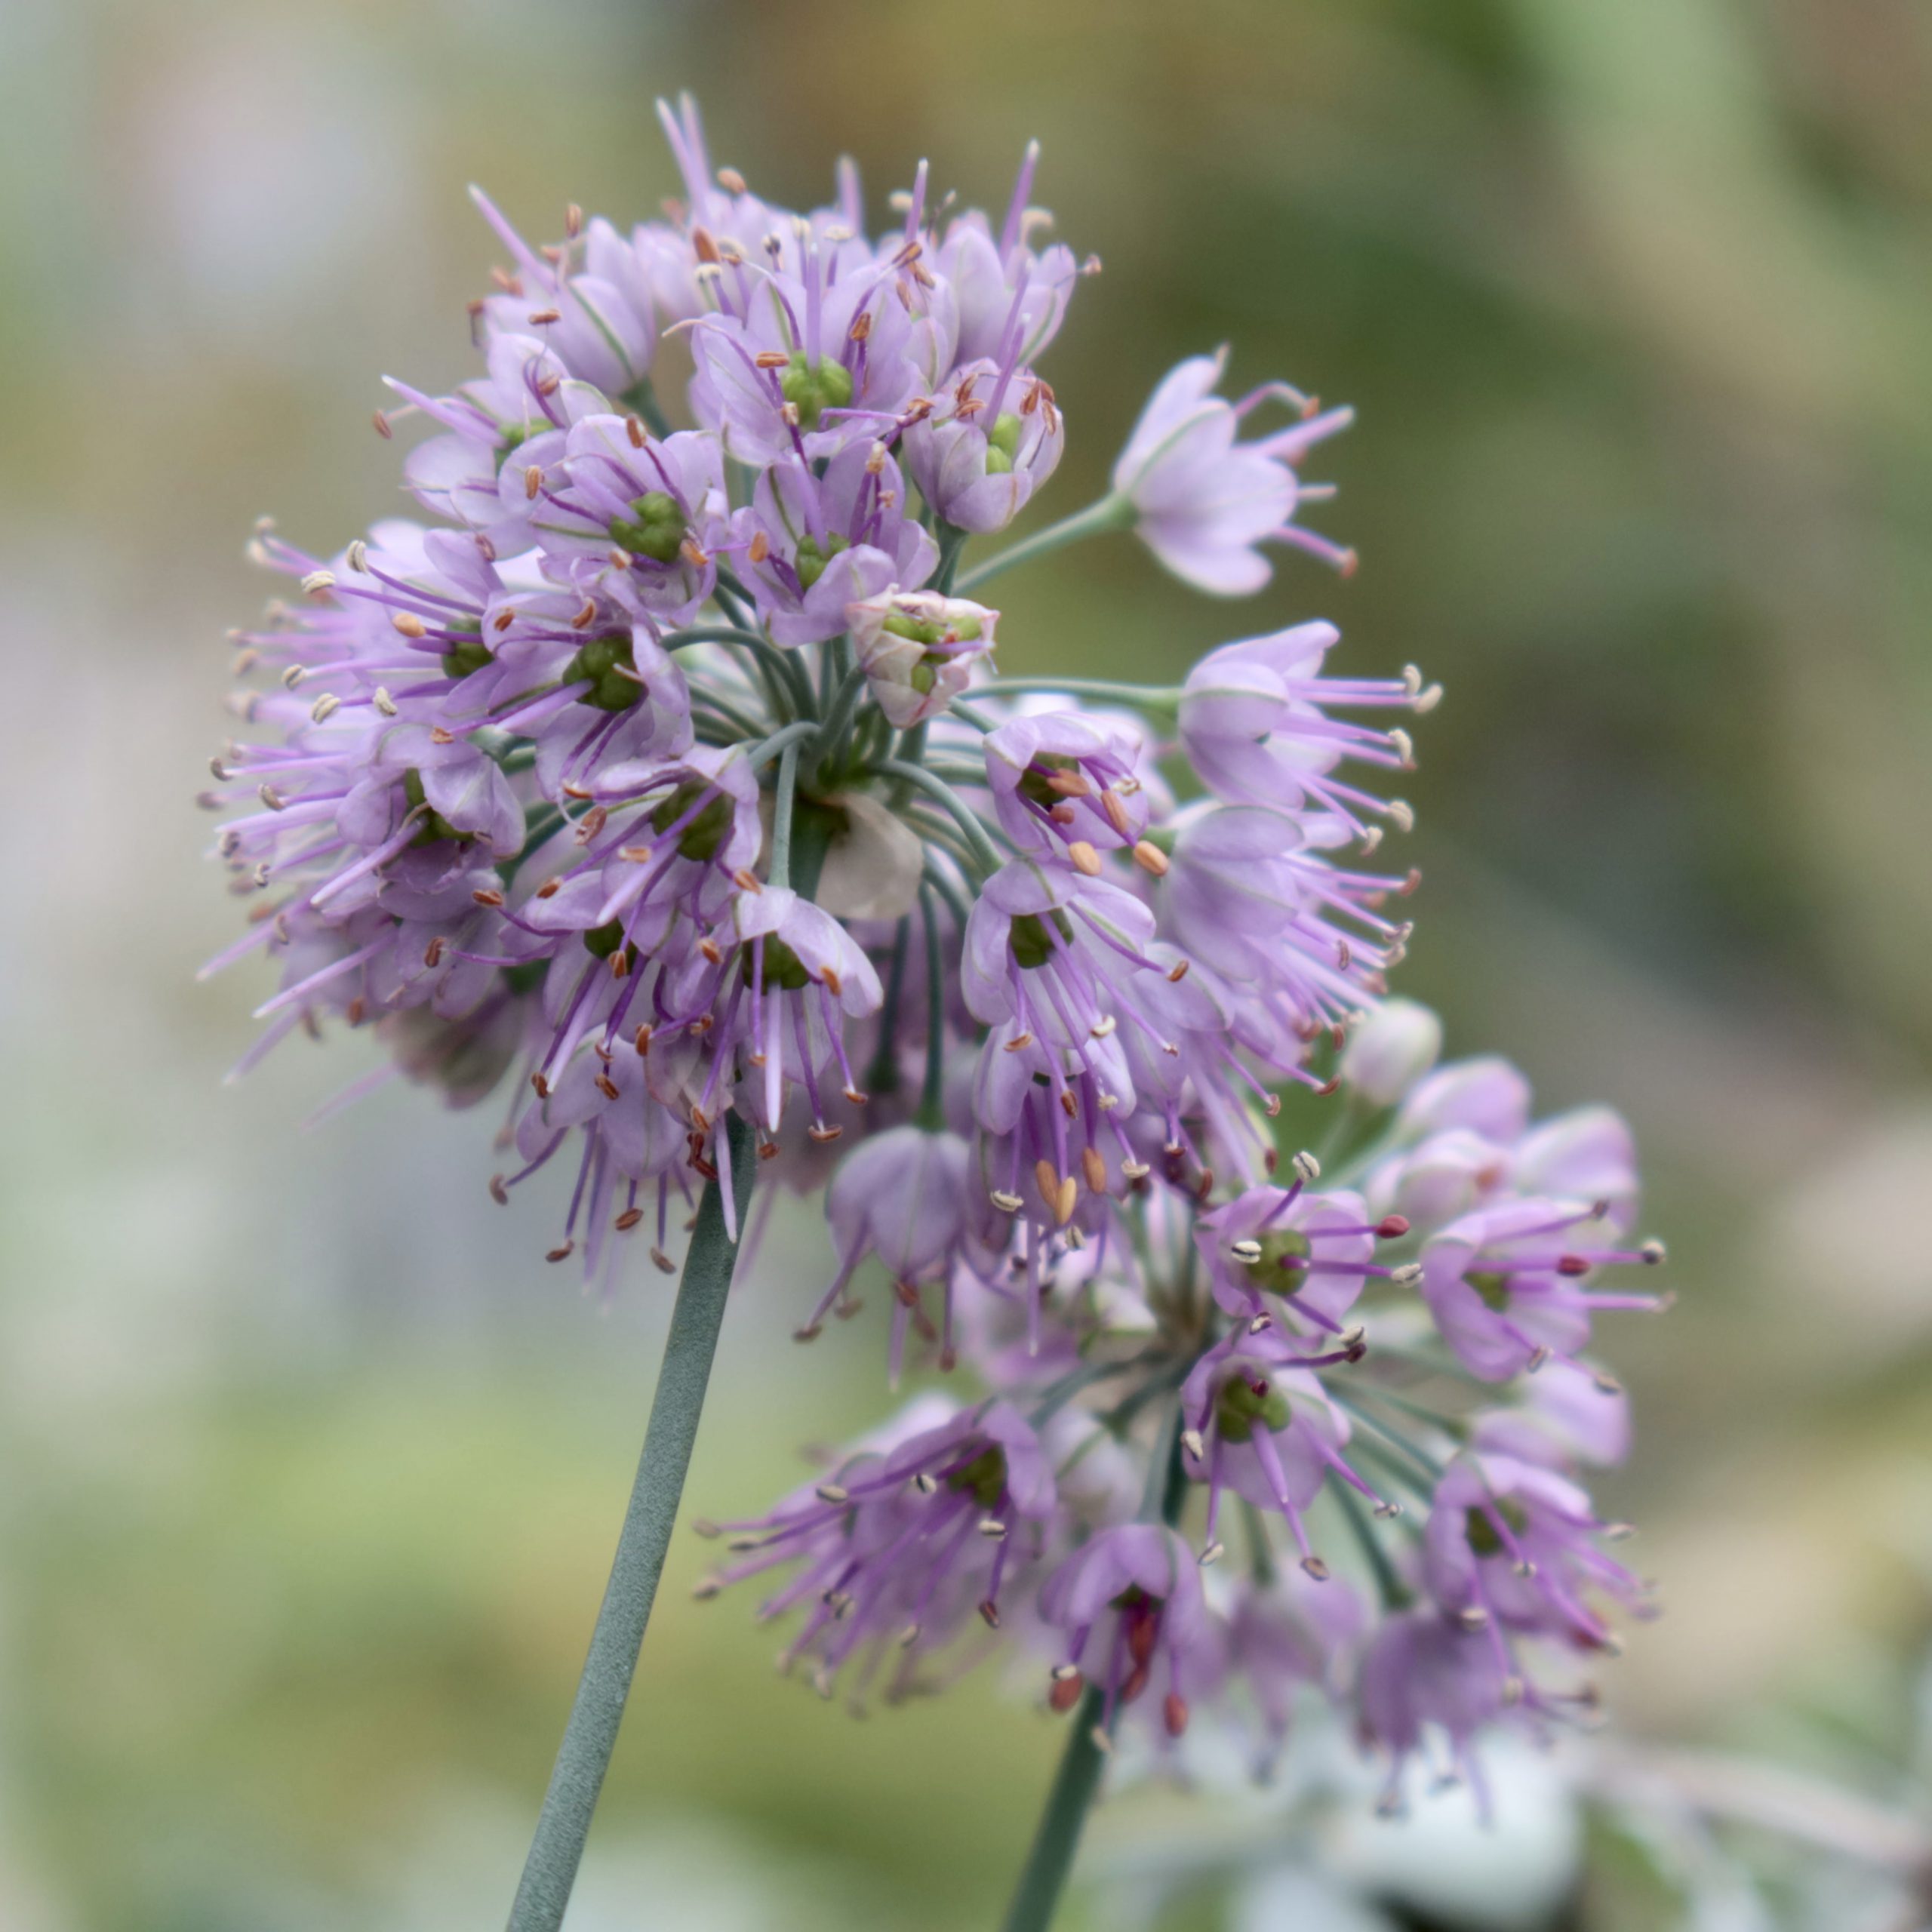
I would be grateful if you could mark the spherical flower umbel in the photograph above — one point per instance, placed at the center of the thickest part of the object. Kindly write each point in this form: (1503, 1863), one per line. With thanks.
(662, 777)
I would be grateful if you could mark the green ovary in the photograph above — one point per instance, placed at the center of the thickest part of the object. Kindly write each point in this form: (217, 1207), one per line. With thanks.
(783, 967)
(655, 528)
(1002, 444)
(434, 826)
(810, 561)
(707, 831)
(1485, 1539)
(1493, 1288)
(812, 388)
(983, 1479)
(607, 663)
(464, 659)
(1237, 1408)
(1031, 945)
(1283, 1267)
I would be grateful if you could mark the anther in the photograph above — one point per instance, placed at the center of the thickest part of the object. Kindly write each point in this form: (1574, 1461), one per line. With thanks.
(831, 1492)
(1084, 858)
(384, 703)
(1308, 1169)
(1475, 1617)
(1406, 1276)
(1392, 1227)
(1246, 1252)
(562, 1253)
(1191, 1441)
(1151, 858)
(1315, 1568)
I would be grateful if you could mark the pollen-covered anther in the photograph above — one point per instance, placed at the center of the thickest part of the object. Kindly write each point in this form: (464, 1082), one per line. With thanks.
(317, 582)
(1151, 858)
(831, 1492)
(1308, 1169)
(1316, 1568)
(1103, 1027)
(1010, 1203)
(562, 1252)
(1654, 1253)
(991, 1528)
(1473, 1617)
(1083, 858)
(1191, 1440)
(1246, 1252)
(1407, 1275)
(818, 1131)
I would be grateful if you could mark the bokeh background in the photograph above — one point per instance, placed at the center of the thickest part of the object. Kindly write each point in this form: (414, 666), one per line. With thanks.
(309, 1470)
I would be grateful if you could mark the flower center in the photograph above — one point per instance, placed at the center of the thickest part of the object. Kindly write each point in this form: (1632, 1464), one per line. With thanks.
(701, 838)
(1241, 1404)
(434, 826)
(1282, 1266)
(1031, 945)
(1002, 444)
(1493, 1288)
(607, 663)
(983, 1479)
(655, 527)
(810, 561)
(464, 659)
(783, 967)
(812, 388)
(1480, 1527)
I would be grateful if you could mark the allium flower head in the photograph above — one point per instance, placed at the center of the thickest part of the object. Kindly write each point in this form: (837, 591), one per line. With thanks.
(661, 778)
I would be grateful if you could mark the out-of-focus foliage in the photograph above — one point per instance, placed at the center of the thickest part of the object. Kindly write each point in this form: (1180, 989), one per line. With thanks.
(312, 1468)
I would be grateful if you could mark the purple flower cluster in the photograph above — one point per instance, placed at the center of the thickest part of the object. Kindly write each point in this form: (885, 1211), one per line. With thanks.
(664, 776)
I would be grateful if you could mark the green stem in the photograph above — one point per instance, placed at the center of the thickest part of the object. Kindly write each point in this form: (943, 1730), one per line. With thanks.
(932, 1116)
(1037, 1895)
(1036, 1898)
(962, 814)
(1109, 513)
(585, 1754)
(780, 871)
(1163, 699)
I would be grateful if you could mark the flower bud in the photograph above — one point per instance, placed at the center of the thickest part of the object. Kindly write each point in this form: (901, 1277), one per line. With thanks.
(1391, 1051)
(917, 648)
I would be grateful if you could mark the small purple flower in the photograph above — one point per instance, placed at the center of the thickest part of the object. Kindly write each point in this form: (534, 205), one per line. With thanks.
(1254, 722)
(1391, 1051)
(917, 650)
(1294, 1256)
(1261, 1425)
(902, 1195)
(1422, 1674)
(910, 1536)
(1507, 1285)
(1204, 503)
(629, 516)
(1129, 1606)
(1512, 1547)
(987, 444)
(1293, 1632)
(597, 320)
(1065, 785)
(813, 545)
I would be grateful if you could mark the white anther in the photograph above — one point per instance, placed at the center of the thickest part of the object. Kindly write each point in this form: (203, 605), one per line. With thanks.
(992, 1528)
(1261, 1325)
(320, 711)
(1191, 1441)
(358, 557)
(1405, 748)
(1135, 1170)
(926, 1484)
(1006, 1204)
(831, 1492)
(384, 703)
(1213, 1554)
(1407, 1275)
(1474, 1618)
(1103, 1026)
(1308, 1169)
(1248, 1252)
(318, 581)
(1653, 1251)
(1401, 814)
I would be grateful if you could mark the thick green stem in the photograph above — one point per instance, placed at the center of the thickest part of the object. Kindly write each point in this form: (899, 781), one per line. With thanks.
(585, 1754)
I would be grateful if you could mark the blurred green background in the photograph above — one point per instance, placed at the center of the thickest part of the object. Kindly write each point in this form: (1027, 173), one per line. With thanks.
(309, 1470)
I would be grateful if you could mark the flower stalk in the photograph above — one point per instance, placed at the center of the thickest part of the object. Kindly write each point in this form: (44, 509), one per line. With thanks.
(591, 1734)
